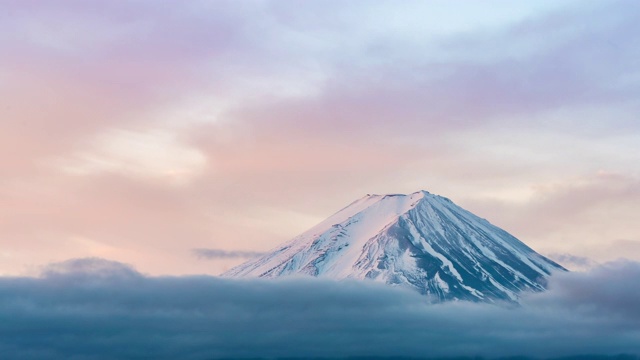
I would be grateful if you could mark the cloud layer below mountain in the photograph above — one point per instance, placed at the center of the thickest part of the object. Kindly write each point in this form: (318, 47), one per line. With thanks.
(97, 309)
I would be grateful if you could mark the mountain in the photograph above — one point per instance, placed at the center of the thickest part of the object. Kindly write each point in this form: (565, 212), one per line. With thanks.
(419, 240)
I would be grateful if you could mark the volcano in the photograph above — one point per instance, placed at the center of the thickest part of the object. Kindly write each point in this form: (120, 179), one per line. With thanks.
(420, 240)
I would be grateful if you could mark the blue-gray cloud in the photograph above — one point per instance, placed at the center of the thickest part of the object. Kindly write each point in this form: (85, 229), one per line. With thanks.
(95, 309)
(570, 260)
(224, 254)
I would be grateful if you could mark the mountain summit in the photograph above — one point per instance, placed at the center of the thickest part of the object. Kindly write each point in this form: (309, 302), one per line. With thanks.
(420, 240)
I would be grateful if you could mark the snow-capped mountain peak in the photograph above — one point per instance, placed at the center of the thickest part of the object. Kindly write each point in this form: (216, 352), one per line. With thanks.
(420, 240)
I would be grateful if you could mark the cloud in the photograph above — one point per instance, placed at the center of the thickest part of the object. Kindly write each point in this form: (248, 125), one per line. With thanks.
(96, 309)
(224, 254)
(89, 268)
(481, 116)
(150, 155)
(595, 212)
(573, 262)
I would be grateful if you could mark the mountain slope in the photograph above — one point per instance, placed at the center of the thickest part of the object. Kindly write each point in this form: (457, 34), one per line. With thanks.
(419, 240)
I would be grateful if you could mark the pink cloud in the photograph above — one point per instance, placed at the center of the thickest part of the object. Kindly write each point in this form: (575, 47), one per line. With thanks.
(592, 216)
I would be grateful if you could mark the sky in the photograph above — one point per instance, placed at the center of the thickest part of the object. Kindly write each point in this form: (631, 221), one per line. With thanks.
(186, 137)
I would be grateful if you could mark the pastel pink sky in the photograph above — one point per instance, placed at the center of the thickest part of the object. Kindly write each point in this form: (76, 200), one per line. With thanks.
(141, 131)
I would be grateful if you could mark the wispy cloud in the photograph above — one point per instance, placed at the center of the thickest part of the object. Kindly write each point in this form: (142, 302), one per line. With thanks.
(224, 254)
(573, 261)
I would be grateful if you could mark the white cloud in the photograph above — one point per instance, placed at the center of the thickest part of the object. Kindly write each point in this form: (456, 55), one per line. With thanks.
(156, 155)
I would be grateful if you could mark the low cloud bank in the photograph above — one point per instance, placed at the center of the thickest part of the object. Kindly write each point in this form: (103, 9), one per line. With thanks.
(97, 309)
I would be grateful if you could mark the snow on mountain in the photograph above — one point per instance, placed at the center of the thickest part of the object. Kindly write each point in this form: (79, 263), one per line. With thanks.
(419, 240)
